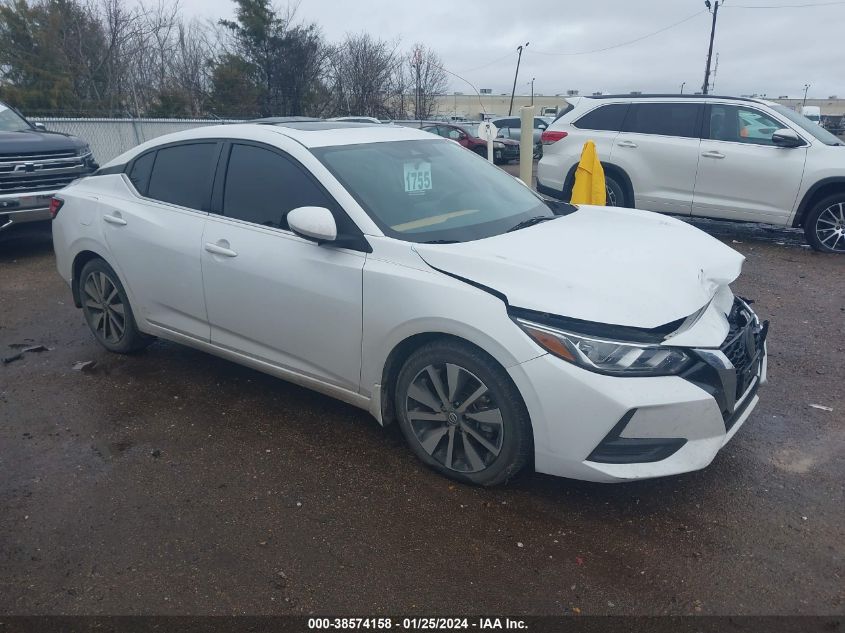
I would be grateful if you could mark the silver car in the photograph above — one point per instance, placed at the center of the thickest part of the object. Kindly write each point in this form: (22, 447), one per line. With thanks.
(511, 127)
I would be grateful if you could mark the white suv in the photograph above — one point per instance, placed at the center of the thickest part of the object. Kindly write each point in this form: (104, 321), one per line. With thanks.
(715, 157)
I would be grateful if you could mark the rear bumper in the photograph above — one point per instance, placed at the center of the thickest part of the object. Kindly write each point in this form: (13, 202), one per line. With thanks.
(19, 208)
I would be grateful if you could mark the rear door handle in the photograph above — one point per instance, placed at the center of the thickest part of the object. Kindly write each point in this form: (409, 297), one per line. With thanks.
(626, 144)
(114, 219)
(217, 249)
(713, 155)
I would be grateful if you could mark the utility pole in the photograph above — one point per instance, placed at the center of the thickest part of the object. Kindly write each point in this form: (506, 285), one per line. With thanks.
(515, 75)
(806, 90)
(532, 90)
(715, 10)
(417, 63)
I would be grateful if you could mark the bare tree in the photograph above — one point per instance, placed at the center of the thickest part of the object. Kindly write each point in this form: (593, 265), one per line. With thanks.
(360, 75)
(428, 80)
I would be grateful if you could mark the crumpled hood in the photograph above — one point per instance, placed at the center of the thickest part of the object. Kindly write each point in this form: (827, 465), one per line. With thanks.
(600, 264)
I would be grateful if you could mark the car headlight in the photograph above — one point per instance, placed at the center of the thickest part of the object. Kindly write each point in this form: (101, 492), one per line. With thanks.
(498, 145)
(607, 356)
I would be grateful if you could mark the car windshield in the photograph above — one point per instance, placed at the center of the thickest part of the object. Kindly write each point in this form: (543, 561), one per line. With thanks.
(432, 191)
(10, 121)
(808, 126)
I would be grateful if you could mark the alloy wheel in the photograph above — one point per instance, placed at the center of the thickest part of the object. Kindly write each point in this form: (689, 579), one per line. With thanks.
(830, 227)
(455, 418)
(103, 303)
(611, 197)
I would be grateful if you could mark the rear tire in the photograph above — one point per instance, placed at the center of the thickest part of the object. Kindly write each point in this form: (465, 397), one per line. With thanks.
(107, 311)
(461, 414)
(615, 192)
(824, 227)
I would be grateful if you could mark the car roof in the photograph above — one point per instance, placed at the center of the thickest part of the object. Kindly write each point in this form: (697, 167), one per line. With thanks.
(630, 97)
(309, 133)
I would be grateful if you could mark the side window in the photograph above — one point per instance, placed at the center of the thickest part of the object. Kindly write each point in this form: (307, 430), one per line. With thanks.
(139, 175)
(182, 174)
(605, 118)
(540, 124)
(741, 125)
(665, 119)
(263, 186)
(432, 129)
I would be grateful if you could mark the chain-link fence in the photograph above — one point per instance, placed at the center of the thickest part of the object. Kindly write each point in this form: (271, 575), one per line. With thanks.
(111, 137)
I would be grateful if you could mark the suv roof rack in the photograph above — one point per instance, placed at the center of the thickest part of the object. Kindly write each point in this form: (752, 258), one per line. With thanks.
(669, 95)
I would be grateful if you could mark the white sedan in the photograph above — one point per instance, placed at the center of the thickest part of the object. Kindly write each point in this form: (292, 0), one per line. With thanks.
(406, 276)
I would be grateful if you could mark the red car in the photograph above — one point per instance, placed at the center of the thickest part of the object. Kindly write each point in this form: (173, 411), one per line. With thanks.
(466, 133)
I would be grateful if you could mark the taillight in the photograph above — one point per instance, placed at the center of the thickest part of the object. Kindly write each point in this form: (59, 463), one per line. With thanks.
(552, 136)
(55, 205)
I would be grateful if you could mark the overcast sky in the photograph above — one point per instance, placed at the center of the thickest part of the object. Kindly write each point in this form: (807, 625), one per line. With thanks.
(764, 51)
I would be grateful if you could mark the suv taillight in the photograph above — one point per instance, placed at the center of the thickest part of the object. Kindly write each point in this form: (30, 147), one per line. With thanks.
(552, 136)
(55, 205)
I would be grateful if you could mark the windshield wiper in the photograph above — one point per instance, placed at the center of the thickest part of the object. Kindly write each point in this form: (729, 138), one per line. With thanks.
(441, 242)
(530, 222)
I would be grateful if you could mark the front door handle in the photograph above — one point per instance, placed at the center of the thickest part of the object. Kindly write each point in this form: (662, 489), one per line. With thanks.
(114, 219)
(218, 249)
(713, 155)
(626, 144)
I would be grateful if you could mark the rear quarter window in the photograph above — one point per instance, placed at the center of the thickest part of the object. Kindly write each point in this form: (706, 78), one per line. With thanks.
(605, 118)
(139, 172)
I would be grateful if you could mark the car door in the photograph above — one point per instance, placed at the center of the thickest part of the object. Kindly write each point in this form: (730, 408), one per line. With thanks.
(155, 234)
(270, 294)
(659, 150)
(742, 174)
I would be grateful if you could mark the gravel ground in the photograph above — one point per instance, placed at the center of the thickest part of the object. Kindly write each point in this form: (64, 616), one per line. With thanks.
(172, 482)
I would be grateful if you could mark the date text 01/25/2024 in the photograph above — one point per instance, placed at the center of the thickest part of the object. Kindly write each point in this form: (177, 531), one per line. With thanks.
(416, 624)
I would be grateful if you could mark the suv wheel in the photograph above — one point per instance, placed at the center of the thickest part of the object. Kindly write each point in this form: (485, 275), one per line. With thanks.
(615, 192)
(825, 226)
(461, 414)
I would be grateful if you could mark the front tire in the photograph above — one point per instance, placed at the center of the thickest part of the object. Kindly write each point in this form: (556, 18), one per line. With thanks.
(461, 414)
(107, 311)
(825, 225)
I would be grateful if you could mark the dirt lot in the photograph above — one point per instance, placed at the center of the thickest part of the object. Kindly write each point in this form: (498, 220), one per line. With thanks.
(174, 482)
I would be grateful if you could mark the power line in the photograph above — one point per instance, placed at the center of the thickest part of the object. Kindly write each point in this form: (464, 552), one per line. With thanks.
(785, 6)
(495, 61)
(634, 41)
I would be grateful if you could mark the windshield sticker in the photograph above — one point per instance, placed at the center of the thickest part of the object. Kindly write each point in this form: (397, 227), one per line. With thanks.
(417, 177)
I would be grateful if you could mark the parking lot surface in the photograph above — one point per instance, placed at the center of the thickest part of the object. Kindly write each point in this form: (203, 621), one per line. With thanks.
(173, 482)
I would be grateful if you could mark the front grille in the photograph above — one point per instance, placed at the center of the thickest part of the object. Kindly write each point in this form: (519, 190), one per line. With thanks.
(35, 156)
(33, 181)
(743, 346)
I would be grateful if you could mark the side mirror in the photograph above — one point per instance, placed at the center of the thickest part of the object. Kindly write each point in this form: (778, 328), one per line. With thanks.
(313, 223)
(786, 138)
(39, 126)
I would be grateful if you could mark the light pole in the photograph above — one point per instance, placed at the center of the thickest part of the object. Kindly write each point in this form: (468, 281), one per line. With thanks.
(715, 9)
(515, 75)
(683, 83)
(806, 89)
(532, 90)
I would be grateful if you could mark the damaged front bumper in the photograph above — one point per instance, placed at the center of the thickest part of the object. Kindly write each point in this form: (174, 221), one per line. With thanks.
(609, 429)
